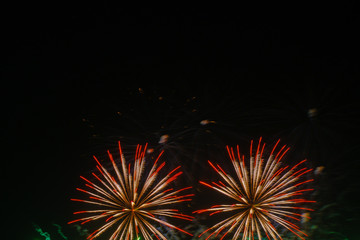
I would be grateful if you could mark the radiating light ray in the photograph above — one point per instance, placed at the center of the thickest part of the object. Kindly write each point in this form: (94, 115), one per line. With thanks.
(267, 192)
(129, 202)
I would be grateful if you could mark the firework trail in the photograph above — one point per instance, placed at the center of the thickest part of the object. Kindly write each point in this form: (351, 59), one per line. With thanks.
(130, 202)
(41, 232)
(266, 192)
(59, 231)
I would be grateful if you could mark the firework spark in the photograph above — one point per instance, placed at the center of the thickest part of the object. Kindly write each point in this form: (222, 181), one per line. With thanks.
(266, 193)
(129, 202)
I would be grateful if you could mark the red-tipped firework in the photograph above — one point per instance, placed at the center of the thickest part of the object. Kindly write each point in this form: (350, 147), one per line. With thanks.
(128, 202)
(267, 195)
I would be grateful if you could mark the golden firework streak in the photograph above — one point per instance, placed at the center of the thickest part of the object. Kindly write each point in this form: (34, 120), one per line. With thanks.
(265, 193)
(130, 203)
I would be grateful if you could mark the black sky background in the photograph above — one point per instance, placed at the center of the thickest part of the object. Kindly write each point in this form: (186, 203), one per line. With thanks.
(71, 63)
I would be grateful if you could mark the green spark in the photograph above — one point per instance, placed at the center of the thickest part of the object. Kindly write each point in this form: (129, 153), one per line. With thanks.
(40, 231)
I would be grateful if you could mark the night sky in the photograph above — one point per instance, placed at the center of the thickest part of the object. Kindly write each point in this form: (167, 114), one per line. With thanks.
(78, 78)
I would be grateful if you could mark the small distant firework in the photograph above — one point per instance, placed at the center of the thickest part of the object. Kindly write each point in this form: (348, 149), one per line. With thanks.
(312, 113)
(130, 202)
(266, 193)
(206, 122)
(164, 139)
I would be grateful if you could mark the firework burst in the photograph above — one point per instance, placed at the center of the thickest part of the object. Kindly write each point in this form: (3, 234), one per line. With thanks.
(266, 193)
(129, 202)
